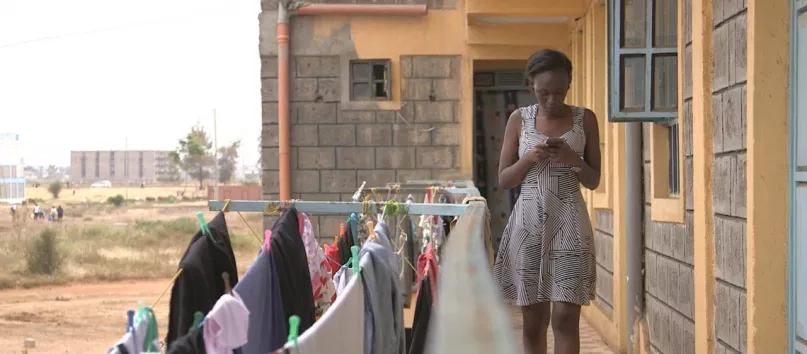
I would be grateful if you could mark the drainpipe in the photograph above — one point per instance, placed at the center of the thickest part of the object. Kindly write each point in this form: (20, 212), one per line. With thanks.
(633, 227)
(283, 100)
(283, 124)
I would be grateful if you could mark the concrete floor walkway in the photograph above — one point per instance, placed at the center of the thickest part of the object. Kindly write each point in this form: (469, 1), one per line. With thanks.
(590, 340)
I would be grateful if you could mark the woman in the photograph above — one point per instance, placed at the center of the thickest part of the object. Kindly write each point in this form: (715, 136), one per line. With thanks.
(547, 250)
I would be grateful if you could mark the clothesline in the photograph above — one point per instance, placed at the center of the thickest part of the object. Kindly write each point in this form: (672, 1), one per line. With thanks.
(391, 208)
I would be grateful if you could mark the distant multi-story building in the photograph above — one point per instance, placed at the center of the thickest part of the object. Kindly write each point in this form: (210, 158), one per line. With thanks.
(121, 166)
(12, 180)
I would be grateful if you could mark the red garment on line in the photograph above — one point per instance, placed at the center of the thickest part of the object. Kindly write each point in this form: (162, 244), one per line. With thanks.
(427, 263)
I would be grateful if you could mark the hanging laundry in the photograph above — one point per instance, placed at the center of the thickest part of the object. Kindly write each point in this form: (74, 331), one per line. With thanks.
(191, 343)
(227, 325)
(380, 273)
(423, 311)
(343, 246)
(200, 285)
(342, 279)
(288, 255)
(341, 328)
(407, 257)
(142, 336)
(427, 263)
(260, 292)
(321, 278)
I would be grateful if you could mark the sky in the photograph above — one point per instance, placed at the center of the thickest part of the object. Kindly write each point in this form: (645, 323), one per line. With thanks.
(96, 74)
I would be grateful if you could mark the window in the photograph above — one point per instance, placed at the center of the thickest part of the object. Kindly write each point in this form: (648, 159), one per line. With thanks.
(645, 87)
(97, 164)
(83, 165)
(645, 49)
(369, 80)
(112, 163)
(140, 164)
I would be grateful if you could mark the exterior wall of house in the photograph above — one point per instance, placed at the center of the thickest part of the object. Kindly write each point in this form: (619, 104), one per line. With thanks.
(715, 254)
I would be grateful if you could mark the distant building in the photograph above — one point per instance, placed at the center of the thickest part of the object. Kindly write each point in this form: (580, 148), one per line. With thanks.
(12, 179)
(121, 167)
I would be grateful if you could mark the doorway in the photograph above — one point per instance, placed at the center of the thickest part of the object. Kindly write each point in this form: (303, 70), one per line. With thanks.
(798, 175)
(496, 95)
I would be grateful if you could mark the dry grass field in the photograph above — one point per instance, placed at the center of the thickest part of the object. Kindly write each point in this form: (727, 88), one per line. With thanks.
(99, 195)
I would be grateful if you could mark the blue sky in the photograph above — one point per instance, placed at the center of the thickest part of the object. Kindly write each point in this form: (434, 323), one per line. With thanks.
(88, 74)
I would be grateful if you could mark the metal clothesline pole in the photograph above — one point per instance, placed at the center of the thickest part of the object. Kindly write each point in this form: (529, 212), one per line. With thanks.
(335, 208)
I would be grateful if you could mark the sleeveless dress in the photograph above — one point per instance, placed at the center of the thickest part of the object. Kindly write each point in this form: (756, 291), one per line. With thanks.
(547, 248)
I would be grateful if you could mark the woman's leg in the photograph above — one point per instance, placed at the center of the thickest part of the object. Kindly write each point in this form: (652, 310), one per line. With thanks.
(566, 327)
(536, 322)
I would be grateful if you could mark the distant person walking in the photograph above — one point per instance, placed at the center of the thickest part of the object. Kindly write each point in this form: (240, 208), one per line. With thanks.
(14, 214)
(53, 214)
(60, 213)
(38, 215)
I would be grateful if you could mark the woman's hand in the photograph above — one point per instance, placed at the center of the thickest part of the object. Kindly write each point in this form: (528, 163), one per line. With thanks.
(539, 152)
(564, 154)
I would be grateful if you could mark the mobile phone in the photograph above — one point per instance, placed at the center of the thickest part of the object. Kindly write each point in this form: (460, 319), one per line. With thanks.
(555, 142)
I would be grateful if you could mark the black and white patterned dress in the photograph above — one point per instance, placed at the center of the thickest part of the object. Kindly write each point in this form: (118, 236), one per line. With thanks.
(547, 248)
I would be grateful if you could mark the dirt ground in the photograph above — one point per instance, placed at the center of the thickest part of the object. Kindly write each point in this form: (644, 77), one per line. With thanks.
(76, 318)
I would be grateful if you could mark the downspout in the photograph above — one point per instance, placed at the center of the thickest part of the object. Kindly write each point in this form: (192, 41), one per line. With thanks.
(633, 228)
(283, 81)
(283, 124)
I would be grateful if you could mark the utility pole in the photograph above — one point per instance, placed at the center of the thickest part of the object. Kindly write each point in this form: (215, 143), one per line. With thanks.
(215, 157)
(126, 165)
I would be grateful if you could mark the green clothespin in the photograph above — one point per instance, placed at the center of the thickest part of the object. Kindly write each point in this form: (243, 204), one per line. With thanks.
(203, 226)
(355, 260)
(198, 316)
(294, 329)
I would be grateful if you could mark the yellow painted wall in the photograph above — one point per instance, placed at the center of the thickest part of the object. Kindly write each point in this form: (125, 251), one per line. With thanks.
(454, 32)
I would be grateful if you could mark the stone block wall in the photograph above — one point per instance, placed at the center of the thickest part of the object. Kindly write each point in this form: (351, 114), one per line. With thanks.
(604, 246)
(729, 126)
(335, 148)
(669, 263)
(271, 5)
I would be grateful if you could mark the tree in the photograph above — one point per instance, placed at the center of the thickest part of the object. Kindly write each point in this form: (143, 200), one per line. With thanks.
(55, 188)
(228, 160)
(193, 154)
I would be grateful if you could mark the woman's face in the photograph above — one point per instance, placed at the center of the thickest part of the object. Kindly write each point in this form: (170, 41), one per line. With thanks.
(550, 89)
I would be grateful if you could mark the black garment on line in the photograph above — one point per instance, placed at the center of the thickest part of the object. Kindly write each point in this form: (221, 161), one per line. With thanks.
(289, 257)
(423, 312)
(343, 248)
(191, 343)
(200, 285)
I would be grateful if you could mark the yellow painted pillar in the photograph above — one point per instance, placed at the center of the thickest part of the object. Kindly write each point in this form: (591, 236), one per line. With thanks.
(703, 175)
(767, 224)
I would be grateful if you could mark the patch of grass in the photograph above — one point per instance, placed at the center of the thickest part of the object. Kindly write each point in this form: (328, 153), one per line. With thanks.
(44, 255)
(146, 249)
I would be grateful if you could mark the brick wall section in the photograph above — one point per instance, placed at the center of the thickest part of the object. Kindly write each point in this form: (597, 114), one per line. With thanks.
(604, 245)
(334, 150)
(669, 264)
(728, 104)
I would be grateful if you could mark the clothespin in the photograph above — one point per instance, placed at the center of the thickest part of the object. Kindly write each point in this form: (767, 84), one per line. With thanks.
(354, 251)
(371, 230)
(226, 206)
(198, 316)
(130, 322)
(294, 330)
(203, 226)
(227, 288)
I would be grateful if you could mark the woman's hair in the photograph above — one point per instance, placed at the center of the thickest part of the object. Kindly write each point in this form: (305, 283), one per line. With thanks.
(546, 60)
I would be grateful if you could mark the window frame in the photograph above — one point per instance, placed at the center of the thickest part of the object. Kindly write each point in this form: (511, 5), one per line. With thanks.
(617, 53)
(665, 206)
(371, 63)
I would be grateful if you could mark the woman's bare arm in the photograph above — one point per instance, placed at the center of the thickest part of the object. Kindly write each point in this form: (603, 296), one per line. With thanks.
(512, 169)
(589, 174)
